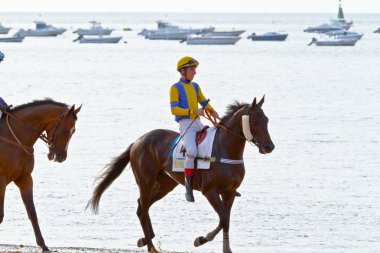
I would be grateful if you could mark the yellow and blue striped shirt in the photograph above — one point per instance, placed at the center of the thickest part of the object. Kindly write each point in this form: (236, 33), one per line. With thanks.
(184, 99)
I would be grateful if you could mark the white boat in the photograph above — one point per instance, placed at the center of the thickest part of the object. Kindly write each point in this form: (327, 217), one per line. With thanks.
(334, 42)
(167, 31)
(343, 34)
(211, 40)
(96, 29)
(226, 33)
(4, 30)
(269, 36)
(15, 38)
(324, 28)
(42, 30)
(335, 24)
(100, 39)
(163, 34)
(169, 26)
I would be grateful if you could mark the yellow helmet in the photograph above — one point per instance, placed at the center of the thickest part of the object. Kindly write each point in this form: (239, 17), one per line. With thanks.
(186, 61)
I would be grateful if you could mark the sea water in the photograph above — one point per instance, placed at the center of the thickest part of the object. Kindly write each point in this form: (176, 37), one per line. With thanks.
(317, 192)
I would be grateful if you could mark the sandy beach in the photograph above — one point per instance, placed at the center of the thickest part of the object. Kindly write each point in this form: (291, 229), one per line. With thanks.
(8, 248)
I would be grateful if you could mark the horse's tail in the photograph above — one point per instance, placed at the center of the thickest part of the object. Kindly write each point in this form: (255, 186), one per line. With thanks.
(110, 173)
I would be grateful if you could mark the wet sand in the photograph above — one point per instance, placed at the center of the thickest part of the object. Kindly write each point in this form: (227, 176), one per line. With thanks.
(6, 248)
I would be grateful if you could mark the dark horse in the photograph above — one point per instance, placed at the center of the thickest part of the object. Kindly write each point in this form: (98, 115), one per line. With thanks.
(19, 130)
(151, 166)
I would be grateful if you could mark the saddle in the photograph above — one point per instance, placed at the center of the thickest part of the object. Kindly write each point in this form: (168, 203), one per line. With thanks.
(201, 135)
(204, 140)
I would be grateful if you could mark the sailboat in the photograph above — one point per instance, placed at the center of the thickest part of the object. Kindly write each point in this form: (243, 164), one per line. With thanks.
(340, 20)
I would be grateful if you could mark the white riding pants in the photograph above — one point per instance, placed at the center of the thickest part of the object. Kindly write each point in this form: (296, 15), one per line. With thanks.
(189, 139)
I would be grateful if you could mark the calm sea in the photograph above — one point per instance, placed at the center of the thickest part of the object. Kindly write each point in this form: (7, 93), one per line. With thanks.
(317, 192)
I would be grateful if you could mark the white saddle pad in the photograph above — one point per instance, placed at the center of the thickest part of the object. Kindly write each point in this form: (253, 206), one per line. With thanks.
(204, 150)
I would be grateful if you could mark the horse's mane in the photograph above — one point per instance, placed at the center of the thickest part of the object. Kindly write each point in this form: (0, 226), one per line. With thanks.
(46, 101)
(231, 109)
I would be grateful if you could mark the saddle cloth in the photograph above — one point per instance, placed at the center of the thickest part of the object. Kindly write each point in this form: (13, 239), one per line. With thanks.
(204, 150)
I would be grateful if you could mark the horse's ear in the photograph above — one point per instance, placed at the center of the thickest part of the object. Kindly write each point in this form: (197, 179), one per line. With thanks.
(261, 101)
(78, 109)
(71, 109)
(253, 103)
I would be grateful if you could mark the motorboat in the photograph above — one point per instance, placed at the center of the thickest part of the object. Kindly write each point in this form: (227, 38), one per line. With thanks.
(226, 33)
(42, 30)
(168, 26)
(167, 31)
(164, 34)
(17, 37)
(211, 40)
(100, 39)
(4, 30)
(96, 29)
(377, 30)
(343, 34)
(334, 42)
(269, 36)
(324, 28)
(335, 24)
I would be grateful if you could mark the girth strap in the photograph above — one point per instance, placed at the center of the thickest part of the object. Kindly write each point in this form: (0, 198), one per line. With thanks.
(213, 159)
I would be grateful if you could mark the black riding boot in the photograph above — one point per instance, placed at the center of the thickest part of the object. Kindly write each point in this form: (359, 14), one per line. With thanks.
(189, 188)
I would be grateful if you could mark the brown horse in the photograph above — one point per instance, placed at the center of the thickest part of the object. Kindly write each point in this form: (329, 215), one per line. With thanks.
(151, 166)
(19, 130)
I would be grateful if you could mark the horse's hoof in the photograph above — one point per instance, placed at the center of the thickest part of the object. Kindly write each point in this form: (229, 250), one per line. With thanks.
(46, 251)
(154, 251)
(141, 242)
(200, 241)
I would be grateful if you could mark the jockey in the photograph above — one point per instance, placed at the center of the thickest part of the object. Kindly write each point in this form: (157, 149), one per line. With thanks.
(3, 105)
(184, 98)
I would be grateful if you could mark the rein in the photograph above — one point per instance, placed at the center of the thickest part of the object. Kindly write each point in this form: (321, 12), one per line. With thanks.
(213, 119)
(29, 150)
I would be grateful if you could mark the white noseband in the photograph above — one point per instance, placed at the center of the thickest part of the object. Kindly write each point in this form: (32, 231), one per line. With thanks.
(246, 128)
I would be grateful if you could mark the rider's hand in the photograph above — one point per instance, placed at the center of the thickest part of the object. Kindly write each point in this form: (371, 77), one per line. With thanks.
(215, 114)
(199, 112)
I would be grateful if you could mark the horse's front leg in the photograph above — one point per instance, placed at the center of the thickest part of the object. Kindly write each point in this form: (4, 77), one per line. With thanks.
(25, 184)
(228, 200)
(213, 197)
(2, 196)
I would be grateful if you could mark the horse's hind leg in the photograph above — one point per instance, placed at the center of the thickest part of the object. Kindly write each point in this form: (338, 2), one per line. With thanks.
(146, 190)
(25, 184)
(163, 186)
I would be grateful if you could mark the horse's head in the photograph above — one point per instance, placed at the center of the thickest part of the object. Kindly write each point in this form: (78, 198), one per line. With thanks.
(59, 133)
(255, 127)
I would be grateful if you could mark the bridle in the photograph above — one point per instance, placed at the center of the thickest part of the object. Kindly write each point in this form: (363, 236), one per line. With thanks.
(50, 142)
(212, 119)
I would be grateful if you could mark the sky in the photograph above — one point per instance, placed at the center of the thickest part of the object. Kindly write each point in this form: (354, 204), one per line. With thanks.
(310, 6)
